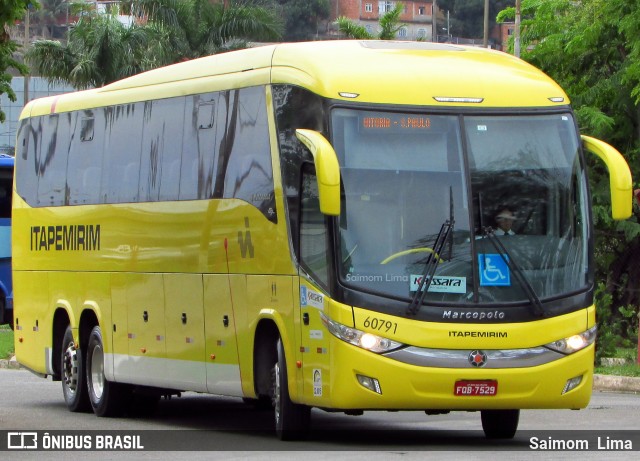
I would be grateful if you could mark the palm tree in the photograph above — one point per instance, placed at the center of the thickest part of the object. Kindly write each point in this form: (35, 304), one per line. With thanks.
(389, 26)
(201, 27)
(101, 49)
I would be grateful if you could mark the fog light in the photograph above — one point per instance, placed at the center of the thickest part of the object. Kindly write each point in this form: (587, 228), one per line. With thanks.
(370, 383)
(572, 384)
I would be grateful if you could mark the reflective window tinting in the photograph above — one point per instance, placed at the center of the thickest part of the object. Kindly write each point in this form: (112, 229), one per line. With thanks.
(405, 181)
(403, 178)
(530, 166)
(204, 146)
(295, 108)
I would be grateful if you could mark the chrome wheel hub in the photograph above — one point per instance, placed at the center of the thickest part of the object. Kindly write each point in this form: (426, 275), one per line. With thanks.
(70, 368)
(96, 373)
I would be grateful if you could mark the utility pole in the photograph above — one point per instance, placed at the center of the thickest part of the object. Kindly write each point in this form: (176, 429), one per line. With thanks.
(27, 39)
(516, 32)
(485, 40)
(434, 29)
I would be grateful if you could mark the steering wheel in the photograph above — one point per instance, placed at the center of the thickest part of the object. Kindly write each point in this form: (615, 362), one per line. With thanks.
(411, 251)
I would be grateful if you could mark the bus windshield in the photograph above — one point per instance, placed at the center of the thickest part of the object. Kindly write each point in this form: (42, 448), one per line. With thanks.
(516, 179)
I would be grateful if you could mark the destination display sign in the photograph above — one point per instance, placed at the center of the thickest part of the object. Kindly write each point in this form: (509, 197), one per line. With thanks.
(395, 122)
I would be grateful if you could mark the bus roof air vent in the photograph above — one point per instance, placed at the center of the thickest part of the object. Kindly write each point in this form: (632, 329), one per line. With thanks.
(450, 99)
(404, 45)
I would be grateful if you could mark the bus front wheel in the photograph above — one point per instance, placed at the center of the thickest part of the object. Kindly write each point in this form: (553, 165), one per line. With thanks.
(106, 397)
(74, 386)
(292, 420)
(500, 424)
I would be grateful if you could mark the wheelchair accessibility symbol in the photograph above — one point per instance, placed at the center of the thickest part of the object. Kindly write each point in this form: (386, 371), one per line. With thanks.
(494, 271)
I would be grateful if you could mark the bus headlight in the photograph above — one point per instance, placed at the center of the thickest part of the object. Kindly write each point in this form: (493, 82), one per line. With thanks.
(574, 343)
(368, 341)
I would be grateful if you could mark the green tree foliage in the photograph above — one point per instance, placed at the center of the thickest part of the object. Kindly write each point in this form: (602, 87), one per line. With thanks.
(389, 26)
(592, 49)
(10, 12)
(302, 18)
(199, 27)
(101, 49)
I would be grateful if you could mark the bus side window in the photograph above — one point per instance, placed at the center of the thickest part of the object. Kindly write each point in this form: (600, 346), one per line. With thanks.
(244, 157)
(122, 148)
(84, 160)
(191, 167)
(314, 251)
(52, 161)
(161, 159)
(27, 178)
(295, 108)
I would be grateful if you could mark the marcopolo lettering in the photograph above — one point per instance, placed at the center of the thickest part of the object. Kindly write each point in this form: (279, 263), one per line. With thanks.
(469, 315)
(76, 237)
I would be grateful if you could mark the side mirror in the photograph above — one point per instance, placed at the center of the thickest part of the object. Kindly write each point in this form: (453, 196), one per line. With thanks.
(327, 170)
(619, 176)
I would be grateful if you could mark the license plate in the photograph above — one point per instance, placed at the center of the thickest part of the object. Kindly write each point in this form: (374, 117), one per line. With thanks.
(484, 388)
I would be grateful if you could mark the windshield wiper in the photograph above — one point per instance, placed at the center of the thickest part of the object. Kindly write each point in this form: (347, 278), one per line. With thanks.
(430, 267)
(536, 305)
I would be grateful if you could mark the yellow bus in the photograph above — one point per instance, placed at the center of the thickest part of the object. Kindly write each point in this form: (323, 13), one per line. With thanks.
(312, 225)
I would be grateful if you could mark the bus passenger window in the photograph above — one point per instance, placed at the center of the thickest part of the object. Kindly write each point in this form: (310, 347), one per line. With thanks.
(122, 146)
(244, 165)
(27, 179)
(84, 160)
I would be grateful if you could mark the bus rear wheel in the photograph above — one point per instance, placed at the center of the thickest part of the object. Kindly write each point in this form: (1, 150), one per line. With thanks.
(107, 398)
(500, 424)
(292, 419)
(74, 386)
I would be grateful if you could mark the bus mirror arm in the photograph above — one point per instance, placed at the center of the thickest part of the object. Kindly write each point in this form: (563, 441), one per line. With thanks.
(619, 176)
(327, 170)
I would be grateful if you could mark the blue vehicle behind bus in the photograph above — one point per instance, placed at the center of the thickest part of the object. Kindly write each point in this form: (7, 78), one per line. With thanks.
(6, 286)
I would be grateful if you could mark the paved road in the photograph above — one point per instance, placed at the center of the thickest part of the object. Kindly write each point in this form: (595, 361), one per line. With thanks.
(236, 431)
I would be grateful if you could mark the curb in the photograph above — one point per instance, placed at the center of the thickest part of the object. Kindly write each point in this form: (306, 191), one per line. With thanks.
(616, 383)
(11, 363)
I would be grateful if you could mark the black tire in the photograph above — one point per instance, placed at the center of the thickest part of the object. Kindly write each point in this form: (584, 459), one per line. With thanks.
(72, 365)
(107, 398)
(500, 424)
(292, 420)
